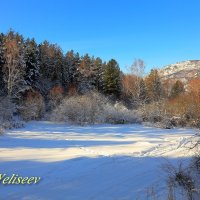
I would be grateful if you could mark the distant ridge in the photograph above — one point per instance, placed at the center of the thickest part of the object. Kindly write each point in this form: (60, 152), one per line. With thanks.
(184, 71)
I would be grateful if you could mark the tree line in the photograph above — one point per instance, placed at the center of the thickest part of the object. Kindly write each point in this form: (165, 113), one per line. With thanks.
(44, 68)
(26, 65)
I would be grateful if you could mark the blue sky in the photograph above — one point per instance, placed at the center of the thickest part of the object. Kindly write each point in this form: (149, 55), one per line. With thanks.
(158, 31)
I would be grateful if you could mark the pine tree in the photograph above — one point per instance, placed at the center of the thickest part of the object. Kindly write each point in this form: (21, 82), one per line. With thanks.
(112, 79)
(85, 82)
(31, 59)
(57, 66)
(70, 70)
(98, 71)
(177, 89)
(45, 68)
(51, 65)
(66, 69)
(91, 70)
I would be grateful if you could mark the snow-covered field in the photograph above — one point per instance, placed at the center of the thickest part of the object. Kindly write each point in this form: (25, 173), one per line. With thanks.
(100, 162)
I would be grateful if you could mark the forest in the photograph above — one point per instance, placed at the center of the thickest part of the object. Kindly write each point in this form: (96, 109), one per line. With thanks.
(41, 81)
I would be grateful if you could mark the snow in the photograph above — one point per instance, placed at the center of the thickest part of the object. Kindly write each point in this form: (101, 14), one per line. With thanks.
(99, 162)
(183, 71)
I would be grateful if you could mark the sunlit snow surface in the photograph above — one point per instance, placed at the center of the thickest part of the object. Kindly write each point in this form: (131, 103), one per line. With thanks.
(100, 162)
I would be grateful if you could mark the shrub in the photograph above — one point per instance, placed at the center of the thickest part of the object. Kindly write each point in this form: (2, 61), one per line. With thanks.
(154, 112)
(92, 108)
(32, 106)
(79, 109)
(185, 179)
(55, 97)
(7, 119)
(169, 113)
(119, 114)
(7, 109)
(183, 183)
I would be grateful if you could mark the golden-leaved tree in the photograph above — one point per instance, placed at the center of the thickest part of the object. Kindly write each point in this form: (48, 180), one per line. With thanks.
(14, 67)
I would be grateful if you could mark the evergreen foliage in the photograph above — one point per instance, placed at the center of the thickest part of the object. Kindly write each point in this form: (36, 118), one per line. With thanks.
(177, 89)
(112, 79)
(31, 59)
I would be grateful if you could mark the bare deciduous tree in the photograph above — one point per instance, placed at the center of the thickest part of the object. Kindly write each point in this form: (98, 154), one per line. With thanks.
(133, 82)
(14, 65)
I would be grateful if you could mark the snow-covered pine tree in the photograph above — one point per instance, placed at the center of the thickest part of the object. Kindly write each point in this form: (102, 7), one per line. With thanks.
(31, 59)
(99, 68)
(68, 62)
(86, 83)
(57, 59)
(51, 66)
(51, 60)
(70, 71)
(45, 68)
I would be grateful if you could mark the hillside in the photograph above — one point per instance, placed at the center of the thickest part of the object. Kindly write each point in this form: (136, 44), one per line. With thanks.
(183, 71)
